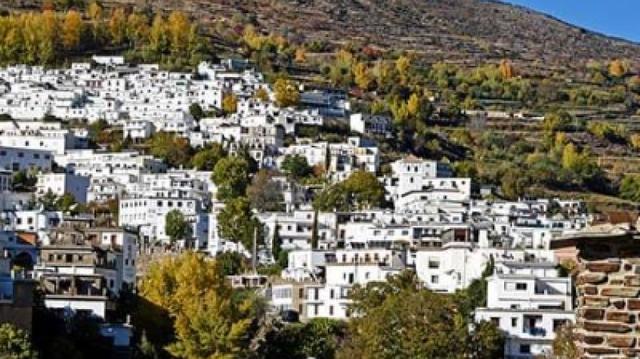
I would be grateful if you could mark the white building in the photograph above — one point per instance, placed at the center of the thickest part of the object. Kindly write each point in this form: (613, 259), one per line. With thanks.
(23, 159)
(529, 303)
(64, 183)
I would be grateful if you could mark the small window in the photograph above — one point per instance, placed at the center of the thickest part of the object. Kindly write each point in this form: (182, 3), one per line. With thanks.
(525, 349)
(514, 322)
(521, 286)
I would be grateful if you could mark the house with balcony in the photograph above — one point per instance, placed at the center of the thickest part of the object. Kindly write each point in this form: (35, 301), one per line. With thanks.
(529, 302)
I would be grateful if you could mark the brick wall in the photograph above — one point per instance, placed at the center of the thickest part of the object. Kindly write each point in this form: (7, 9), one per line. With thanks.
(608, 295)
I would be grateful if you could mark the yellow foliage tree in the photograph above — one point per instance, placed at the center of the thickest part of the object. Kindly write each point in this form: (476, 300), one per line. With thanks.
(71, 30)
(403, 63)
(617, 68)
(230, 103)
(178, 27)
(413, 105)
(301, 55)
(362, 76)
(118, 26)
(286, 93)
(506, 69)
(634, 140)
(191, 292)
(262, 94)
(158, 40)
(137, 28)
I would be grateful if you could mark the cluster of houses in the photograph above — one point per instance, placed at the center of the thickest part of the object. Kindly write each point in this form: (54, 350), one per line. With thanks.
(438, 226)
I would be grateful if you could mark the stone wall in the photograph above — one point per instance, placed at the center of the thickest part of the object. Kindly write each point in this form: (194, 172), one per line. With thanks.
(608, 296)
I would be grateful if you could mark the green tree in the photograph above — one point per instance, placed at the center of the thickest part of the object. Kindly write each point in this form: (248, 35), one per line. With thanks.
(231, 175)
(630, 188)
(15, 343)
(365, 189)
(423, 324)
(196, 111)
(296, 166)
(176, 226)
(207, 158)
(318, 338)
(236, 222)
(231, 263)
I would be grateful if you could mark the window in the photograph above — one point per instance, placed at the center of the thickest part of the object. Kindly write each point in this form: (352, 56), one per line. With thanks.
(331, 310)
(521, 286)
(514, 322)
(495, 321)
(434, 279)
(434, 264)
(525, 349)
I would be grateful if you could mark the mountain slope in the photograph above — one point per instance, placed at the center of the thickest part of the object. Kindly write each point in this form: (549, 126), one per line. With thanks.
(456, 30)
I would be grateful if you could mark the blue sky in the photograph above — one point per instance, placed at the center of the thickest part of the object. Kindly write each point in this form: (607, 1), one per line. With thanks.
(612, 17)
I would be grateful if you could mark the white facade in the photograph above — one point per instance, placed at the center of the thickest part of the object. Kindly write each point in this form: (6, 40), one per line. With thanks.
(64, 183)
(23, 159)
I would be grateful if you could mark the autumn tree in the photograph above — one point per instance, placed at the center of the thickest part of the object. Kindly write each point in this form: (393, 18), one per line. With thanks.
(617, 68)
(118, 26)
(178, 30)
(15, 343)
(286, 93)
(189, 309)
(137, 29)
(71, 30)
(230, 103)
(506, 69)
(362, 76)
(158, 39)
(403, 63)
(262, 94)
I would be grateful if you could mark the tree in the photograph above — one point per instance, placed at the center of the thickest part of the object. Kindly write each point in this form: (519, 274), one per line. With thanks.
(230, 103)
(158, 39)
(189, 297)
(400, 319)
(630, 188)
(137, 29)
(15, 343)
(196, 111)
(176, 226)
(506, 69)
(403, 64)
(296, 166)
(318, 338)
(361, 76)
(236, 222)
(617, 68)
(171, 148)
(264, 193)
(262, 94)
(231, 175)
(207, 158)
(286, 93)
(231, 263)
(118, 26)
(564, 346)
(365, 189)
(72, 30)
(178, 31)
(556, 121)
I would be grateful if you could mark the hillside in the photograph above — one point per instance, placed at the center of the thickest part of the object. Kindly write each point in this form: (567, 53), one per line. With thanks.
(466, 31)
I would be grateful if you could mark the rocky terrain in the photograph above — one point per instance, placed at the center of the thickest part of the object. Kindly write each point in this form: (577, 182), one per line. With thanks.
(465, 31)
